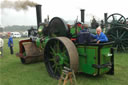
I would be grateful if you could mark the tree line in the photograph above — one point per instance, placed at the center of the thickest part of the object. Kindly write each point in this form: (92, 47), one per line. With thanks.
(18, 28)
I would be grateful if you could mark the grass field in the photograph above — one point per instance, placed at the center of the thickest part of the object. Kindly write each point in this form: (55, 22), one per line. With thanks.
(12, 72)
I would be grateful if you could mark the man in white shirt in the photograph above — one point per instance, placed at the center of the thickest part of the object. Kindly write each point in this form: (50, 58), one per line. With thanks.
(1, 47)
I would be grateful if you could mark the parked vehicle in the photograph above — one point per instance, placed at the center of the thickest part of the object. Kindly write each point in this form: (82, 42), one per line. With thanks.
(15, 34)
(25, 34)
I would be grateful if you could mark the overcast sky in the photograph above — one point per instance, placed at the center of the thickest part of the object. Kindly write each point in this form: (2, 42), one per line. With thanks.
(66, 9)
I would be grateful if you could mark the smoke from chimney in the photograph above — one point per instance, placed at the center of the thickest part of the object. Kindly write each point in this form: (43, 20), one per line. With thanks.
(17, 5)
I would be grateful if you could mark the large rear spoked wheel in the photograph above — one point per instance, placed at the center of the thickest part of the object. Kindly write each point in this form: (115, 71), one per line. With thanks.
(60, 52)
(120, 36)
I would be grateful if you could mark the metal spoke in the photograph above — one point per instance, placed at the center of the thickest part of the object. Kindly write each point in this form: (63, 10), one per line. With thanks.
(58, 47)
(63, 53)
(56, 67)
(117, 46)
(53, 51)
(113, 36)
(60, 69)
(120, 18)
(67, 64)
(122, 34)
(65, 57)
(124, 39)
(113, 17)
(117, 33)
(126, 45)
(123, 47)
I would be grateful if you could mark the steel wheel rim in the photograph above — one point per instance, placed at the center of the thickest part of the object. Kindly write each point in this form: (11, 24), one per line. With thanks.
(56, 59)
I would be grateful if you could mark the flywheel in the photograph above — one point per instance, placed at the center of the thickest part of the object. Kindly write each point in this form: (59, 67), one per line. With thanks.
(57, 27)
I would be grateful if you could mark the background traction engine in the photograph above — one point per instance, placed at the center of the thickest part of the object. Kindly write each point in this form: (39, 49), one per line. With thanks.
(117, 31)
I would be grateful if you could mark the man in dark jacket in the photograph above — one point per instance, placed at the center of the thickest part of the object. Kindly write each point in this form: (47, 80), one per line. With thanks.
(84, 35)
(10, 43)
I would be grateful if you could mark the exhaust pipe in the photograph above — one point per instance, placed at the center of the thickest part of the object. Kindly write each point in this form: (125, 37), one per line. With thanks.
(105, 17)
(38, 14)
(82, 15)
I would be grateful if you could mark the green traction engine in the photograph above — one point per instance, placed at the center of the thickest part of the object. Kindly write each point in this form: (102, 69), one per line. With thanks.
(56, 45)
(59, 49)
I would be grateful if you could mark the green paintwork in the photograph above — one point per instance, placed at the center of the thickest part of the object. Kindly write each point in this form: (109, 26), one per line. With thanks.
(42, 45)
(88, 55)
(73, 31)
(38, 43)
(45, 41)
(105, 58)
(86, 59)
(40, 30)
(78, 29)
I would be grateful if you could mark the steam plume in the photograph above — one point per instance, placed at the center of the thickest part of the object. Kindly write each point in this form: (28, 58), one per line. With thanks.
(17, 5)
